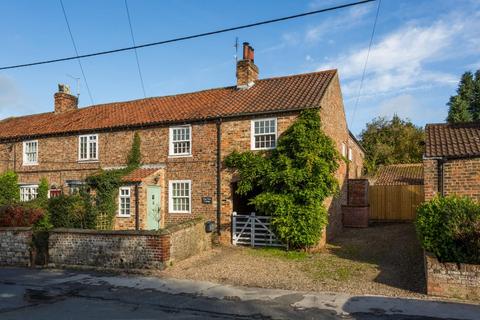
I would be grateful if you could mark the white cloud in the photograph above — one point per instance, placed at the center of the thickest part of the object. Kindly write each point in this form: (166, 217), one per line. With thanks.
(399, 61)
(349, 20)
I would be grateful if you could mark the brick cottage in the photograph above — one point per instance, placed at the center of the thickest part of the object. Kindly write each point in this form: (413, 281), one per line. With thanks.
(184, 139)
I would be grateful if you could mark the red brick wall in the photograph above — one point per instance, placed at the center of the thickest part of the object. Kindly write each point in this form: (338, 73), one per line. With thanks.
(460, 177)
(58, 161)
(452, 280)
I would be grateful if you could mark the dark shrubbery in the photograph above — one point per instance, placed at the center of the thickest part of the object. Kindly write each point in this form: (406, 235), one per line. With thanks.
(449, 227)
(20, 216)
(74, 211)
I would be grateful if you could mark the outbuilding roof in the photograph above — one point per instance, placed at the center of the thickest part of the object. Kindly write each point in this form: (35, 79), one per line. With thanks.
(400, 174)
(452, 140)
(267, 95)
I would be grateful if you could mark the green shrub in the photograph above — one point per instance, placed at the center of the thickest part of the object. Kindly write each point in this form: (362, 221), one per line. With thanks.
(42, 196)
(73, 211)
(449, 227)
(9, 190)
(294, 180)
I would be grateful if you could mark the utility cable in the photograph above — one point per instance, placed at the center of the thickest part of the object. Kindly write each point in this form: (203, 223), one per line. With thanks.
(198, 35)
(135, 50)
(76, 52)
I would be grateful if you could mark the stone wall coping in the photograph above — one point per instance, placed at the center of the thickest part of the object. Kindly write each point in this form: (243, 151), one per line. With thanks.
(454, 265)
(15, 228)
(110, 232)
(168, 230)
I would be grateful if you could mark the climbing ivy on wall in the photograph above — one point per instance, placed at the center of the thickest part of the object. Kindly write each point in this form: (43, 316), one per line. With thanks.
(106, 184)
(294, 180)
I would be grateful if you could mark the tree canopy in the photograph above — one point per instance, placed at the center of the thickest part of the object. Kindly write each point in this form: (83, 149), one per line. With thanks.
(391, 141)
(294, 180)
(465, 105)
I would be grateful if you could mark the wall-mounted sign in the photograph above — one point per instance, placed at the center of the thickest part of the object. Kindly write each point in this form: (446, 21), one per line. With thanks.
(207, 200)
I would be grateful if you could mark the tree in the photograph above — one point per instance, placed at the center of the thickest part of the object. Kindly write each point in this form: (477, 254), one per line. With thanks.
(465, 105)
(9, 190)
(294, 180)
(391, 141)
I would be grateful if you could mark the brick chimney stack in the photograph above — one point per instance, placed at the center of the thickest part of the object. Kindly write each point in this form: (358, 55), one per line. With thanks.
(64, 100)
(247, 71)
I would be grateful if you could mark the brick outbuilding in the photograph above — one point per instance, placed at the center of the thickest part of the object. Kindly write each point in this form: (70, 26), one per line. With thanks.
(184, 140)
(452, 160)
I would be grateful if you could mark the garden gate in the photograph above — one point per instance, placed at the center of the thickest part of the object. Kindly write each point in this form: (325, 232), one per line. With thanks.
(252, 230)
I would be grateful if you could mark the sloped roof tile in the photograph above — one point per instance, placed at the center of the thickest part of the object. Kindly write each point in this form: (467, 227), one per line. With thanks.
(274, 94)
(452, 140)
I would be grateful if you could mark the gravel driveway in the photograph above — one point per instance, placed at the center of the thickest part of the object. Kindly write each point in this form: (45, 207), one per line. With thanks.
(385, 259)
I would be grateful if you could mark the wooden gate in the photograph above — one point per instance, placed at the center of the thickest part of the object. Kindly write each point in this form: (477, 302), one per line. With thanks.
(253, 230)
(394, 203)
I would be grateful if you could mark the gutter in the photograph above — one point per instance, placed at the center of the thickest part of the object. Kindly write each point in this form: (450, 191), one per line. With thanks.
(219, 171)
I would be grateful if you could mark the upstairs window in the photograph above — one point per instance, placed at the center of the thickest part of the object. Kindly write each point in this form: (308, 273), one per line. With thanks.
(28, 192)
(124, 202)
(264, 134)
(180, 141)
(30, 152)
(180, 196)
(344, 150)
(88, 147)
(350, 154)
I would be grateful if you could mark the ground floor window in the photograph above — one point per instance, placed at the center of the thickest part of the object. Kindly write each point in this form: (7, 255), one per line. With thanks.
(124, 202)
(180, 196)
(74, 186)
(28, 192)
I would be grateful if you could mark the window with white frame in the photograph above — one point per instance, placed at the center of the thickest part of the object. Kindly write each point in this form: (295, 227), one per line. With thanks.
(180, 196)
(180, 141)
(264, 134)
(30, 152)
(344, 149)
(28, 192)
(350, 154)
(124, 202)
(88, 147)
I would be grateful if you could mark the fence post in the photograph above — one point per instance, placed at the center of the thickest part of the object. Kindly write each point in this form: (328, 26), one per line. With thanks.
(234, 228)
(252, 229)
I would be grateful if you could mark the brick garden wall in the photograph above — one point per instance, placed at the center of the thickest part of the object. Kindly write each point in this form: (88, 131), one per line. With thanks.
(15, 246)
(452, 280)
(127, 249)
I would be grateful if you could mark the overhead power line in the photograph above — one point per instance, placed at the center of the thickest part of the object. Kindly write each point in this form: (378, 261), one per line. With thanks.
(76, 52)
(366, 63)
(135, 50)
(198, 35)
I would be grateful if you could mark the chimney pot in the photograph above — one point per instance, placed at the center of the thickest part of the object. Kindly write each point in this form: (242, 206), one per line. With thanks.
(247, 71)
(64, 100)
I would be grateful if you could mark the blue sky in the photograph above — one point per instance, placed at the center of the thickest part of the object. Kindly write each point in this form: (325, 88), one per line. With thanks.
(420, 49)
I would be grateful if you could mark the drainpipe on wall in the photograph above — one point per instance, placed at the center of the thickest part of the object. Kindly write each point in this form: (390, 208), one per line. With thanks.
(137, 213)
(219, 169)
(440, 174)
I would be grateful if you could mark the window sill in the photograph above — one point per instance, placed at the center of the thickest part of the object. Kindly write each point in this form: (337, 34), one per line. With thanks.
(262, 149)
(121, 216)
(88, 161)
(179, 212)
(30, 164)
(173, 156)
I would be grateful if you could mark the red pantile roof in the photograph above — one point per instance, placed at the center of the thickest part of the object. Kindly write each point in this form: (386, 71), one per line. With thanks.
(139, 174)
(452, 140)
(400, 174)
(267, 95)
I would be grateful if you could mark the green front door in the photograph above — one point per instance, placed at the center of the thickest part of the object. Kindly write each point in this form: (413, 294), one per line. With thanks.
(153, 208)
